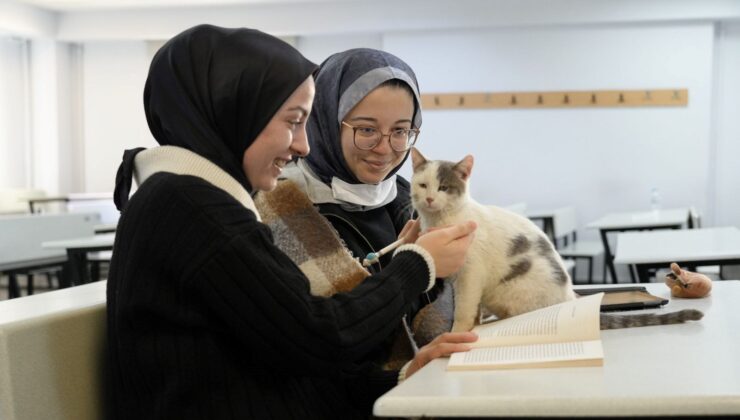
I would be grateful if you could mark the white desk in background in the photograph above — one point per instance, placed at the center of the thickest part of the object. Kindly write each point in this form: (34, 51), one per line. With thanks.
(77, 249)
(642, 220)
(687, 247)
(106, 228)
(672, 370)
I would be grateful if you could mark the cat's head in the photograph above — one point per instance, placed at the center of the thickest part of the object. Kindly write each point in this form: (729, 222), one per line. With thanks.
(439, 185)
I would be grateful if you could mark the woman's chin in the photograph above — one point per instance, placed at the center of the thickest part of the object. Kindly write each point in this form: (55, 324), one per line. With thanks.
(372, 177)
(265, 185)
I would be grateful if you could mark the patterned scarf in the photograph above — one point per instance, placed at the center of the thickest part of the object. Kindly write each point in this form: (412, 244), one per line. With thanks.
(313, 244)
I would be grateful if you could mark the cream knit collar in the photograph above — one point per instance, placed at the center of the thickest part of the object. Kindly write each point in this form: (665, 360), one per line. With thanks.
(180, 161)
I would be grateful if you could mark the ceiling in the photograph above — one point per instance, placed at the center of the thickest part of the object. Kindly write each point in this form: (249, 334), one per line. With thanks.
(78, 5)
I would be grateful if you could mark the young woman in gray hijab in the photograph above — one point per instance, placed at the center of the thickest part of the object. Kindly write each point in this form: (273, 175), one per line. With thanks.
(366, 116)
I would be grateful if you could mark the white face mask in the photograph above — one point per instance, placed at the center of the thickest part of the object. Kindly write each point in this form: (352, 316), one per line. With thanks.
(352, 197)
(366, 195)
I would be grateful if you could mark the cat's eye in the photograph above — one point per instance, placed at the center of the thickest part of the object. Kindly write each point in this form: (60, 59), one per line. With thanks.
(443, 188)
(422, 185)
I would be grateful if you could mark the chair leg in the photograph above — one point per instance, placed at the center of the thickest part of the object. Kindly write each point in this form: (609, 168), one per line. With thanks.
(590, 270)
(604, 278)
(29, 286)
(575, 265)
(13, 289)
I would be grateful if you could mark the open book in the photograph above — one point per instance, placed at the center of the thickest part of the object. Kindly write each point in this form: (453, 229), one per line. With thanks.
(566, 334)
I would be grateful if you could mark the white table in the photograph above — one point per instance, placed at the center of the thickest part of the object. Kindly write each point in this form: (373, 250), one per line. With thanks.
(692, 248)
(106, 228)
(690, 369)
(77, 249)
(641, 220)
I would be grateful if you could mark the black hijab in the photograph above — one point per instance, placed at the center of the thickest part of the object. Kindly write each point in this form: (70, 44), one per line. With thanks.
(342, 81)
(212, 90)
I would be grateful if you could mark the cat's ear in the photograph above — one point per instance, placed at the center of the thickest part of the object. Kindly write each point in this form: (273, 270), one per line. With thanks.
(465, 167)
(417, 158)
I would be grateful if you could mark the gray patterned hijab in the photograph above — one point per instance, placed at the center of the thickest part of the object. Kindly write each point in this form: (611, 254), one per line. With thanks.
(342, 81)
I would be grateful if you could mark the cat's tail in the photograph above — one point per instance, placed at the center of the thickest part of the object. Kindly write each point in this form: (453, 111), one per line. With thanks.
(613, 321)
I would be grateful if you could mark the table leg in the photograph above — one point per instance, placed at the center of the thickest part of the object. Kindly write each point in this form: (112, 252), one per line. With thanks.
(643, 273)
(608, 257)
(549, 228)
(77, 264)
(13, 290)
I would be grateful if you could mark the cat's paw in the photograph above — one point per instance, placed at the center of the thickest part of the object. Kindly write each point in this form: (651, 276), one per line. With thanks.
(459, 326)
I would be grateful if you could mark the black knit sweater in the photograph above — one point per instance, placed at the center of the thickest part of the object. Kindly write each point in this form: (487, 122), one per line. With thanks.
(207, 319)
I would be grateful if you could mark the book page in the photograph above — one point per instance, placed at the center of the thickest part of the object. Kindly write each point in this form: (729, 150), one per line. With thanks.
(574, 320)
(581, 353)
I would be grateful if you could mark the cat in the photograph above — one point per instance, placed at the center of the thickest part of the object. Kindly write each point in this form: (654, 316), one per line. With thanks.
(511, 266)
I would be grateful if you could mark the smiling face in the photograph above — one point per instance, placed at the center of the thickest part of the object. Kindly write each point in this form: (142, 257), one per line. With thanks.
(282, 138)
(386, 108)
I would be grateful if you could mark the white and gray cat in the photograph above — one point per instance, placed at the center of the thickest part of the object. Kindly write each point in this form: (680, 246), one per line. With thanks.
(511, 267)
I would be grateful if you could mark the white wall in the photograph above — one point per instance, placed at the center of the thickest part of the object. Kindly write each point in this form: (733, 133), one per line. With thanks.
(15, 158)
(26, 21)
(318, 48)
(114, 76)
(599, 160)
(727, 126)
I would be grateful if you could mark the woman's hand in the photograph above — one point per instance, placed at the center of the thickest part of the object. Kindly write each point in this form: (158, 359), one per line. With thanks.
(442, 346)
(410, 232)
(448, 246)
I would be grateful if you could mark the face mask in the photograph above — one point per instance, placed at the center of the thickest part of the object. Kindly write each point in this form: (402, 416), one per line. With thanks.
(364, 194)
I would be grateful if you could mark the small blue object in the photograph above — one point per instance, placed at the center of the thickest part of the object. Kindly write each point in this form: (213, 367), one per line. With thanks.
(371, 256)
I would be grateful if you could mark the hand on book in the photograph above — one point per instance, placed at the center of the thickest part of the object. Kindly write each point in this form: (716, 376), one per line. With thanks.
(442, 346)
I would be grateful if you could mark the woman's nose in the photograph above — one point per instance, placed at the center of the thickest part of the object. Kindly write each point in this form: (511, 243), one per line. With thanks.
(300, 143)
(384, 146)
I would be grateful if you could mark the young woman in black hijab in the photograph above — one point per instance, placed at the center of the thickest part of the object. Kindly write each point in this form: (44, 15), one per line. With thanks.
(207, 319)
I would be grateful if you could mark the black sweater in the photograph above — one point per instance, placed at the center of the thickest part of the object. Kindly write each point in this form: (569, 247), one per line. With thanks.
(207, 319)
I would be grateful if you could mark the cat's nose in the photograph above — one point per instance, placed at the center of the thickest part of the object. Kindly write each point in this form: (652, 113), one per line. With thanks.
(429, 200)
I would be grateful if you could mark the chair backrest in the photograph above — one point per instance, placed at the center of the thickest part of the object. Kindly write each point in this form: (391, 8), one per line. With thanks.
(52, 353)
(695, 218)
(21, 236)
(15, 200)
(564, 221)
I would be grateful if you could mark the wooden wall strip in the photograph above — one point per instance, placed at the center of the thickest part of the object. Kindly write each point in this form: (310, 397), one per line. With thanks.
(559, 99)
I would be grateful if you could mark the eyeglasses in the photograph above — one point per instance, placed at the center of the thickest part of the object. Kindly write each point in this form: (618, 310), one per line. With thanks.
(367, 138)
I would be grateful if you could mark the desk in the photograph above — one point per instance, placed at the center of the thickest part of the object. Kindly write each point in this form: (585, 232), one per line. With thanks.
(12, 269)
(672, 370)
(77, 249)
(52, 350)
(693, 247)
(33, 201)
(628, 221)
(105, 228)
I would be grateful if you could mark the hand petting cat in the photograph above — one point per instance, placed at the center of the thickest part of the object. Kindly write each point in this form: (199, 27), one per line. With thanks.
(448, 246)
(410, 231)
